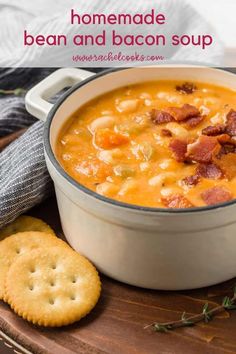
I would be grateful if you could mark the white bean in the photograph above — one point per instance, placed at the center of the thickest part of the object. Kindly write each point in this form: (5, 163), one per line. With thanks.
(177, 130)
(159, 180)
(218, 119)
(145, 95)
(123, 171)
(156, 180)
(204, 110)
(102, 122)
(144, 166)
(169, 97)
(142, 119)
(163, 95)
(127, 106)
(128, 186)
(109, 156)
(143, 151)
(107, 189)
(167, 191)
(148, 102)
(147, 150)
(165, 164)
(151, 103)
(160, 140)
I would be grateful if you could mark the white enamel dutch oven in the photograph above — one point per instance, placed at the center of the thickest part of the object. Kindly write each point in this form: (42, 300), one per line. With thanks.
(148, 247)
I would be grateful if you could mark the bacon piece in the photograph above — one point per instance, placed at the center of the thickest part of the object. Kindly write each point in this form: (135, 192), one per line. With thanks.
(228, 144)
(233, 140)
(166, 132)
(210, 171)
(227, 164)
(231, 123)
(186, 88)
(216, 195)
(213, 130)
(226, 149)
(191, 180)
(160, 117)
(204, 149)
(225, 139)
(176, 201)
(179, 149)
(194, 121)
(185, 112)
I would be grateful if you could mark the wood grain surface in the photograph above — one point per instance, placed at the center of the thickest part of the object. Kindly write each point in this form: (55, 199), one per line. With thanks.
(116, 324)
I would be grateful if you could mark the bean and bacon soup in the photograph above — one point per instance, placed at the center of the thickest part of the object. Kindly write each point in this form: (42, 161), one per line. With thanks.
(158, 144)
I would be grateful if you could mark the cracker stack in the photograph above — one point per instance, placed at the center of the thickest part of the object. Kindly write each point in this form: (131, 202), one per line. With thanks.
(42, 278)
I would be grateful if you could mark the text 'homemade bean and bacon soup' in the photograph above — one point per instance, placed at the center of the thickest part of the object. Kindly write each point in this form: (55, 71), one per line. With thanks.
(157, 144)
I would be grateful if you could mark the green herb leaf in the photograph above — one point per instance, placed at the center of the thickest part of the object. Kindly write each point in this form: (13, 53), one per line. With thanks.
(231, 307)
(160, 328)
(185, 320)
(206, 313)
(205, 308)
(183, 317)
(225, 301)
(228, 303)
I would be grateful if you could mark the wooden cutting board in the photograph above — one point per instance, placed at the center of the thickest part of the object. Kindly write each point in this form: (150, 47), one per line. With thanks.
(116, 324)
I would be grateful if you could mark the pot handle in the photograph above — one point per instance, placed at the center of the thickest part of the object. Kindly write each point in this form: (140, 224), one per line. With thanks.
(37, 99)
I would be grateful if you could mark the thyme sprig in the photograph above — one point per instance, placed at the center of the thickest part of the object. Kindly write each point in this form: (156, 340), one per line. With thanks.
(17, 92)
(207, 314)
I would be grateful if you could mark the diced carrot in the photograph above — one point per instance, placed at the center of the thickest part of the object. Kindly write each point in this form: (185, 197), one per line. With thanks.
(108, 139)
(94, 168)
(103, 171)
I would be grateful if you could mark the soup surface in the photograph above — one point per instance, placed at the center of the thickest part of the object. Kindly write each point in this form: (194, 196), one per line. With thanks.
(157, 144)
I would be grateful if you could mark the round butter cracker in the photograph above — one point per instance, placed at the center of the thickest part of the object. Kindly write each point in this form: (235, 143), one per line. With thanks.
(25, 223)
(14, 246)
(53, 287)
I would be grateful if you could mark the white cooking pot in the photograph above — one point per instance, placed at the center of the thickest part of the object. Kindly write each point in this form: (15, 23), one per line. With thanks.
(148, 247)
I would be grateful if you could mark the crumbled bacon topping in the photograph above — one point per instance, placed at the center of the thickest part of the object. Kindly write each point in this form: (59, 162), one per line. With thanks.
(186, 88)
(228, 144)
(214, 152)
(213, 130)
(179, 149)
(224, 139)
(160, 117)
(191, 181)
(182, 113)
(176, 201)
(231, 123)
(226, 149)
(194, 121)
(216, 195)
(204, 149)
(210, 171)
